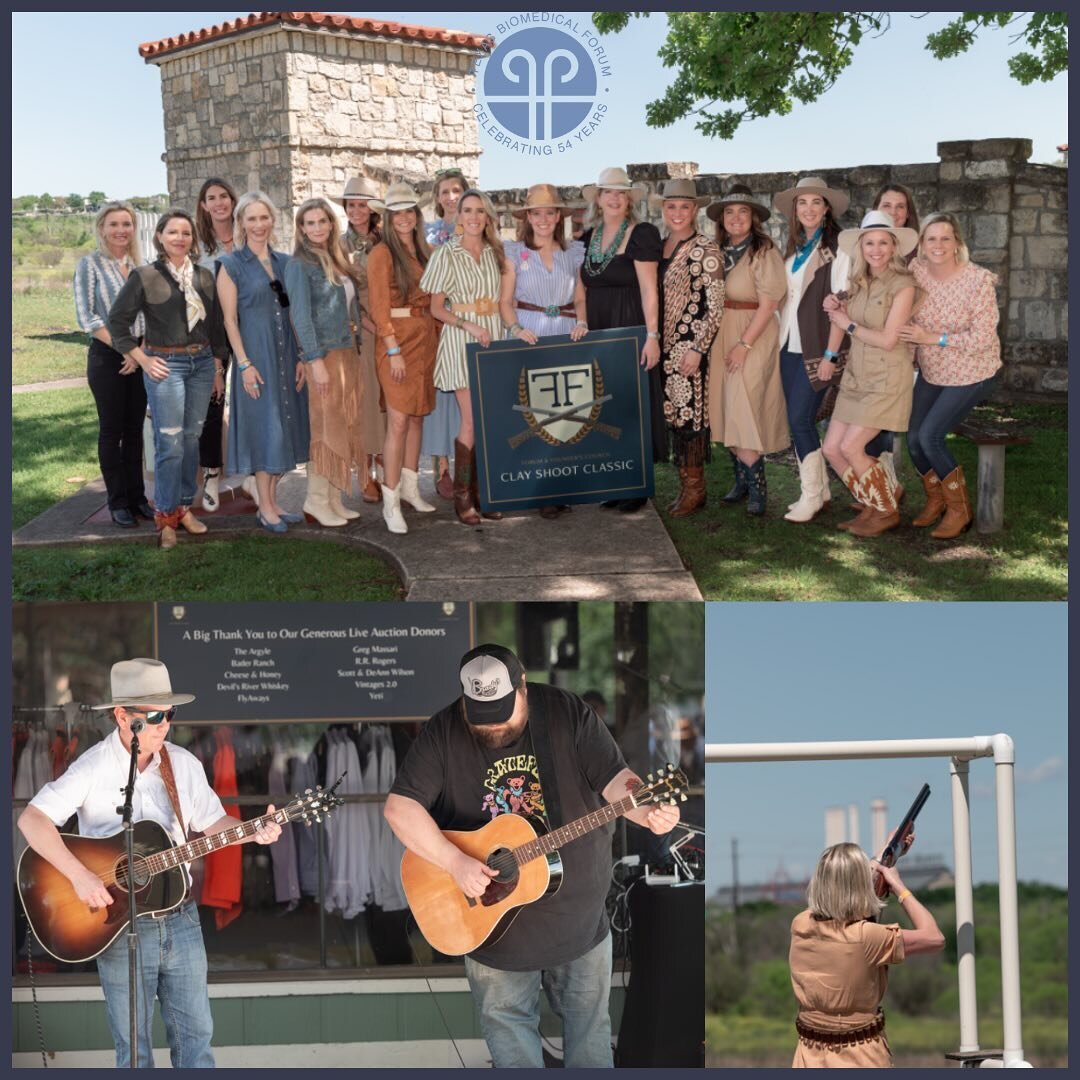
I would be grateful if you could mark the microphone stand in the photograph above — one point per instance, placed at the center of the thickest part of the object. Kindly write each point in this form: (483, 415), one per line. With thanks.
(133, 904)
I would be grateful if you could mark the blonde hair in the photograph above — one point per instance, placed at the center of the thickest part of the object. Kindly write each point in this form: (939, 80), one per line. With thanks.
(491, 229)
(842, 887)
(133, 252)
(595, 216)
(859, 278)
(250, 198)
(399, 255)
(963, 256)
(331, 258)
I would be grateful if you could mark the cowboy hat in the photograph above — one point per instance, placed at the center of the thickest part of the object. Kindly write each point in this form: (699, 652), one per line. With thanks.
(142, 682)
(680, 188)
(849, 239)
(539, 197)
(357, 187)
(812, 185)
(615, 180)
(739, 195)
(399, 196)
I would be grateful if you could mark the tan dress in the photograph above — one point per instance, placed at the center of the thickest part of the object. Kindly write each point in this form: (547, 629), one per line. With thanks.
(746, 407)
(875, 391)
(372, 415)
(839, 973)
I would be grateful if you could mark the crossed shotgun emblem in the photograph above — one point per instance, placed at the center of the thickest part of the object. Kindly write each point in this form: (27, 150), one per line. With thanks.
(561, 405)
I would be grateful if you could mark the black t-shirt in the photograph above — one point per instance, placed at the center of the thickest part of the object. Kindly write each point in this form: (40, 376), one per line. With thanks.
(464, 785)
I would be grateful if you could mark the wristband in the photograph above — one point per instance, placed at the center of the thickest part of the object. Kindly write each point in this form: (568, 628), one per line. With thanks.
(243, 365)
(744, 344)
(395, 351)
(903, 896)
(584, 325)
(653, 334)
(830, 355)
(514, 328)
(943, 340)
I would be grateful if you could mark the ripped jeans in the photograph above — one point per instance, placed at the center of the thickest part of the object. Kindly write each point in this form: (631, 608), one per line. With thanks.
(178, 406)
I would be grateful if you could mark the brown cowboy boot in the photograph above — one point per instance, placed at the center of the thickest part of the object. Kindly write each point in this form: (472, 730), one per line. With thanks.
(851, 482)
(166, 526)
(958, 515)
(464, 506)
(675, 503)
(474, 489)
(935, 501)
(692, 496)
(878, 494)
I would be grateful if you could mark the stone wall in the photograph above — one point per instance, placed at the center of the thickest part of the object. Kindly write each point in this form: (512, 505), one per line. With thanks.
(1014, 214)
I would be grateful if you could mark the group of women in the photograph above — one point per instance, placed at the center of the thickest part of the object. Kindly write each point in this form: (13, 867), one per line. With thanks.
(349, 354)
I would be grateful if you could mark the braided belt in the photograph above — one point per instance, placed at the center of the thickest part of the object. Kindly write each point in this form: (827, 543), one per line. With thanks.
(484, 305)
(818, 1037)
(552, 311)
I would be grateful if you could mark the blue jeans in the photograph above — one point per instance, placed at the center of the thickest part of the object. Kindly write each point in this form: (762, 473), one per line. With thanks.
(178, 405)
(935, 411)
(172, 962)
(509, 1004)
(880, 444)
(803, 402)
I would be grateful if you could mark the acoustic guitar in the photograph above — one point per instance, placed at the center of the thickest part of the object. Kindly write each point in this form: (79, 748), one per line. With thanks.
(71, 931)
(528, 864)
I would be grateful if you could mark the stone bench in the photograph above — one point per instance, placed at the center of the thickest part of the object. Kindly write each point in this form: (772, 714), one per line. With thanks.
(991, 436)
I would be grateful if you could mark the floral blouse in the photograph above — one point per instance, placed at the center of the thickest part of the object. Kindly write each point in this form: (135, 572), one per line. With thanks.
(966, 309)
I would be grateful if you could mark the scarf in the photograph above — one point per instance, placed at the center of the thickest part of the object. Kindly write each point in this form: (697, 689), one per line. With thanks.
(802, 252)
(733, 253)
(185, 278)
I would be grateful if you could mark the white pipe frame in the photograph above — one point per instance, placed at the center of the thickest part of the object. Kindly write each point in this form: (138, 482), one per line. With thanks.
(960, 751)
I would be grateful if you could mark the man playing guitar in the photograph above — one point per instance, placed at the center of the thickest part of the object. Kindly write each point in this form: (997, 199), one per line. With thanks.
(477, 759)
(171, 951)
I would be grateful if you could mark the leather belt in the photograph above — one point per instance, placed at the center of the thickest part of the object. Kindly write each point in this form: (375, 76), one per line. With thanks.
(841, 1038)
(741, 305)
(552, 311)
(171, 911)
(407, 312)
(178, 350)
(483, 305)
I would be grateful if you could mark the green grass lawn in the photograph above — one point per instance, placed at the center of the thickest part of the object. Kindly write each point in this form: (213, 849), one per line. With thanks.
(46, 342)
(735, 557)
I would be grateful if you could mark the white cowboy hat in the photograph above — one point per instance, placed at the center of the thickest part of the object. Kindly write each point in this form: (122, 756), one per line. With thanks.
(615, 180)
(906, 239)
(357, 187)
(739, 195)
(142, 682)
(399, 196)
(680, 188)
(812, 185)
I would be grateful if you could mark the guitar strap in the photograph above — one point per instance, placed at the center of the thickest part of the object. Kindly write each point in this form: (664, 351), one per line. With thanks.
(170, 786)
(545, 762)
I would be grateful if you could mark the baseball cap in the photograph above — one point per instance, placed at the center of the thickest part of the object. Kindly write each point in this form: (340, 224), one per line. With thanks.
(490, 678)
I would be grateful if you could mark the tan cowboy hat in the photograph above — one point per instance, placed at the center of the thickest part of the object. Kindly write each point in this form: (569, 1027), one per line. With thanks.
(739, 195)
(812, 185)
(906, 239)
(357, 187)
(540, 197)
(680, 188)
(142, 682)
(399, 196)
(616, 180)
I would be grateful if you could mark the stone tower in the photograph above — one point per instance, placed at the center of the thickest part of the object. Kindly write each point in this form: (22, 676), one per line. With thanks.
(292, 103)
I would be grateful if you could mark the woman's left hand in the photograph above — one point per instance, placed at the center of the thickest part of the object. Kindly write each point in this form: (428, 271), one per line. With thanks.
(916, 335)
(736, 358)
(690, 362)
(219, 385)
(482, 335)
(650, 355)
(397, 369)
(578, 333)
(129, 366)
(301, 375)
(321, 377)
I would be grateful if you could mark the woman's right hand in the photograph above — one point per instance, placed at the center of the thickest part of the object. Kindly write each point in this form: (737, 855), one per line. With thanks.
(129, 366)
(527, 336)
(154, 366)
(831, 303)
(320, 377)
(478, 332)
(826, 370)
(397, 369)
(252, 381)
(890, 876)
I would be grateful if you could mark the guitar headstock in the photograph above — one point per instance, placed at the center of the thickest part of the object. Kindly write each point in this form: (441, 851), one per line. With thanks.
(667, 786)
(313, 804)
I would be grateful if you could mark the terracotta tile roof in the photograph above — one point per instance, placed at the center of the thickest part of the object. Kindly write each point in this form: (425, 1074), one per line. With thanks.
(420, 34)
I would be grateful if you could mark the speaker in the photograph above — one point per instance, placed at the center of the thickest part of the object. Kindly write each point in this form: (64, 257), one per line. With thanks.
(663, 1020)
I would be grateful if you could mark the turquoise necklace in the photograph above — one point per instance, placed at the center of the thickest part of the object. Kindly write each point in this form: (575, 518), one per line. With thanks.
(598, 259)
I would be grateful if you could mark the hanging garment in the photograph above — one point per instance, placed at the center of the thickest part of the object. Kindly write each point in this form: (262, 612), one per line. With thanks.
(349, 842)
(224, 869)
(283, 852)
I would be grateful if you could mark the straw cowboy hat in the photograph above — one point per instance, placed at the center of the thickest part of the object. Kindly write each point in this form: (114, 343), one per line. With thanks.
(812, 185)
(678, 189)
(739, 195)
(539, 197)
(906, 239)
(399, 196)
(615, 180)
(357, 187)
(142, 682)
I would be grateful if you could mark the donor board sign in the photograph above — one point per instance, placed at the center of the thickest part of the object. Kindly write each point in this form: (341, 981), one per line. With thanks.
(273, 661)
(561, 421)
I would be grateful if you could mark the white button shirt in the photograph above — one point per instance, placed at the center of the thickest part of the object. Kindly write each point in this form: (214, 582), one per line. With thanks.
(790, 338)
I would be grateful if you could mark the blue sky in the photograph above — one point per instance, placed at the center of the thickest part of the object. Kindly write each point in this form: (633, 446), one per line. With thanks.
(91, 118)
(808, 672)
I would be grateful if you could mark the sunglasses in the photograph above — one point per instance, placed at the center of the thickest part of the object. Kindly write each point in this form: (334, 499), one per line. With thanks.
(156, 717)
(442, 173)
(279, 291)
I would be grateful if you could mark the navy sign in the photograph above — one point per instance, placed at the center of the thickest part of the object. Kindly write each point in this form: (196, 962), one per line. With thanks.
(561, 421)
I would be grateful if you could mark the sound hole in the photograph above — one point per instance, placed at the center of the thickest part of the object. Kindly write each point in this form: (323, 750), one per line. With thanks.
(142, 874)
(504, 883)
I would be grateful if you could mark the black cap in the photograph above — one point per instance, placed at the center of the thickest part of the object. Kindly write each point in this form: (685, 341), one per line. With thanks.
(490, 678)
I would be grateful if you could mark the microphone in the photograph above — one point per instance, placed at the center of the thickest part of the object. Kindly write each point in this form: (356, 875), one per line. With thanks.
(136, 724)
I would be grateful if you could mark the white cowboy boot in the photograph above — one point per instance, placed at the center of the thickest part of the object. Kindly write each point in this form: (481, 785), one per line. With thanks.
(811, 500)
(317, 502)
(339, 508)
(391, 509)
(409, 490)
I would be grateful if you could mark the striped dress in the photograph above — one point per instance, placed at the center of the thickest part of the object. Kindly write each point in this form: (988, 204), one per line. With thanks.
(536, 284)
(453, 271)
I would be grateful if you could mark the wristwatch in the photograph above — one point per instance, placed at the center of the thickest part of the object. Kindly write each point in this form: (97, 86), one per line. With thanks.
(850, 328)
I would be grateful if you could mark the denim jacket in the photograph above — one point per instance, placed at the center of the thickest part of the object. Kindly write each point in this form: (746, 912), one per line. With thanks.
(318, 310)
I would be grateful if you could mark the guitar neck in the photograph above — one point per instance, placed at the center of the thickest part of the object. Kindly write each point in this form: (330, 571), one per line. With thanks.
(196, 849)
(549, 842)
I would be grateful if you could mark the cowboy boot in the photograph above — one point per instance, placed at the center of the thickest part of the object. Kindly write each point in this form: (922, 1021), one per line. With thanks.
(757, 488)
(878, 494)
(166, 526)
(317, 502)
(692, 496)
(673, 506)
(464, 506)
(958, 514)
(409, 489)
(935, 501)
(333, 499)
(189, 522)
(887, 463)
(851, 482)
(826, 494)
(812, 499)
(391, 510)
(740, 488)
(474, 489)
(211, 496)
